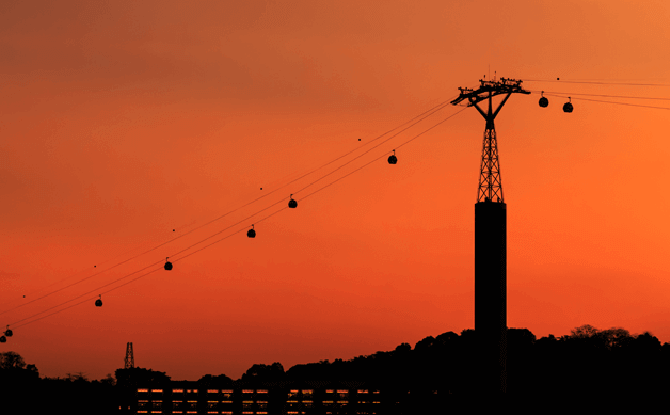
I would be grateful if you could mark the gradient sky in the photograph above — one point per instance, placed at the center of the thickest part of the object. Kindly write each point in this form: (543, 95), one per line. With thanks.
(124, 120)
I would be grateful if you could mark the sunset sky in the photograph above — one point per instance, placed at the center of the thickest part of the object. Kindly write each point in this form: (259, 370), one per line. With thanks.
(124, 120)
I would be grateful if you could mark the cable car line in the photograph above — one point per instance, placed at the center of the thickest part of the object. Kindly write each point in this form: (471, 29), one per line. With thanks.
(282, 201)
(613, 102)
(600, 95)
(372, 148)
(73, 275)
(432, 111)
(379, 158)
(593, 82)
(208, 245)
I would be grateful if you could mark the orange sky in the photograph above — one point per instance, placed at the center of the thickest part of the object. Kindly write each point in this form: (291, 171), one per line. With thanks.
(123, 120)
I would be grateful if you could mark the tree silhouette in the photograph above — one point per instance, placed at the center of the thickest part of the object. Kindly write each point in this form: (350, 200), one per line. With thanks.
(264, 373)
(11, 360)
(583, 331)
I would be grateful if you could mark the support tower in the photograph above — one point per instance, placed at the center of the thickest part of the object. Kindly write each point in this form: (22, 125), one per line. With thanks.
(130, 360)
(491, 243)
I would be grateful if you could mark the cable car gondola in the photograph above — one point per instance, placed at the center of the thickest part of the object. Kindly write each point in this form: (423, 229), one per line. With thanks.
(251, 233)
(393, 159)
(544, 101)
(2, 339)
(292, 203)
(567, 107)
(98, 302)
(8, 332)
(168, 264)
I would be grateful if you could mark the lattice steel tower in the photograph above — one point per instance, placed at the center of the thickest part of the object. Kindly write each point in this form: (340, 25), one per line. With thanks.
(491, 243)
(130, 360)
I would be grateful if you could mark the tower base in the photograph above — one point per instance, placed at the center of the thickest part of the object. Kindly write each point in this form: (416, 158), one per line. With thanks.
(491, 295)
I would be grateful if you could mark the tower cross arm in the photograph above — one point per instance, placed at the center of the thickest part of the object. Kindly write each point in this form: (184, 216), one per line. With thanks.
(489, 89)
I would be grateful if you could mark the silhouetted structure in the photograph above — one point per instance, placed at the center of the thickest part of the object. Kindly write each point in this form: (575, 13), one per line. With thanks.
(491, 243)
(130, 359)
(588, 370)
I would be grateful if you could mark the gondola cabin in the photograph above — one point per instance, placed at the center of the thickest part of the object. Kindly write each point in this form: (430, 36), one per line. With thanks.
(567, 107)
(393, 159)
(292, 203)
(168, 264)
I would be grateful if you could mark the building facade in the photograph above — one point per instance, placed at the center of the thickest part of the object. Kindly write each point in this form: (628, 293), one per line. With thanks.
(295, 398)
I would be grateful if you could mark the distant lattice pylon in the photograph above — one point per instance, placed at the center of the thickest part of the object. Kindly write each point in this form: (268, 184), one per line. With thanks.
(130, 360)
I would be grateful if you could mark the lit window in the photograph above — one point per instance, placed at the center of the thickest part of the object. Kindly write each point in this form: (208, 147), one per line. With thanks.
(177, 390)
(261, 412)
(192, 412)
(375, 402)
(226, 401)
(330, 391)
(177, 412)
(212, 412)
(156, 412)
(375, 391)
(307, 391)
(212, 391)
(247, 391)
(262, 391)
(143, 390)
(250, 413)
(362, 391)
(157, 390)
(342, 391)
(226, 391)
(327, 402)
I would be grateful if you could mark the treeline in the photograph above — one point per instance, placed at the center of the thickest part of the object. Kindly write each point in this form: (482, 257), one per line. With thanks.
(588, 362)
(25, 392)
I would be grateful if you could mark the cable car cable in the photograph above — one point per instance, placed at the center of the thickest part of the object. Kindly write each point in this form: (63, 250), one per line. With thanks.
(372, 148)
(432, 110)
(593, 82)
(600, 95)
(614, 102)
(210, 244)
